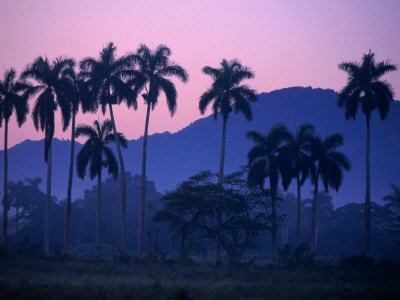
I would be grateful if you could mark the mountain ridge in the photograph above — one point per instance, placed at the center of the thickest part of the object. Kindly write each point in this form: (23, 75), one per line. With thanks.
(173, 157)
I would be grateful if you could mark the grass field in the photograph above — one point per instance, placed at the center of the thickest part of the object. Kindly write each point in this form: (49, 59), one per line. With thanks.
(33, 278)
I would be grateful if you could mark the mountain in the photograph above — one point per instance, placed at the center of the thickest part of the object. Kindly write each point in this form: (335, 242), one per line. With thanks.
(172, 158)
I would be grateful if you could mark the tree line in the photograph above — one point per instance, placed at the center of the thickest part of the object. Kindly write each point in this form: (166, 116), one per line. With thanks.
(110, 80)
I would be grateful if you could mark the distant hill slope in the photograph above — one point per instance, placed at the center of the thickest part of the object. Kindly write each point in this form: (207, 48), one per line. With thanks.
(172, 158)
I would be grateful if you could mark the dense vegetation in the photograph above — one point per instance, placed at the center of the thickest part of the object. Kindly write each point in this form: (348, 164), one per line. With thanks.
(240, 213)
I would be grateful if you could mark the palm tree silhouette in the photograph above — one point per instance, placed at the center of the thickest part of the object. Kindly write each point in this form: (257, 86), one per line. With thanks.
(267, 158)
(74, 99)
(95, 152)
(364, 88)
(153, 66)
(297, 154)
(53, 85)
(104, 80)
(13, 98)
(328, 165)
(227, 93)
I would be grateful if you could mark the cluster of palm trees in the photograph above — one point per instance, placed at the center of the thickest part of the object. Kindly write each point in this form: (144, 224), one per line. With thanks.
(111, 80)
(282, 155)
(101, 82)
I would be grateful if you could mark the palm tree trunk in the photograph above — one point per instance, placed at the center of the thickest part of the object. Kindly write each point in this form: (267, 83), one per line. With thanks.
(143, 186)
(222, 159)
(217, 254)
(314, 218)
(5, 193)
(98, 212)
(274, 225)
(298, 221)
(123, 181)
(367, 208)
(70, 175)
(48, 203)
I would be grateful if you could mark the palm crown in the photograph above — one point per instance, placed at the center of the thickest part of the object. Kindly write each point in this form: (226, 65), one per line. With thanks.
(54, 88)
(326, 162)
(227, 91)
(364, 87)
(95, 148)
(106, 80)
(296, 150)
(153, 67)
(13, 97)
(266, 158)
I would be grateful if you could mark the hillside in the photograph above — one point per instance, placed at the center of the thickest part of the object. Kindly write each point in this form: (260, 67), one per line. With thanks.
(174, 157)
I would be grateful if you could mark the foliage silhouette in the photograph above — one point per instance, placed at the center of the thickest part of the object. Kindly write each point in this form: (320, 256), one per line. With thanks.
(191, 213)
(53, 86)
(107, 82)
(74, 97)
(296, 152)
(153, 68)
(99, 155)
(365, 88)
(268, 158)
(326, 164)
(227, 93)
(14, 96)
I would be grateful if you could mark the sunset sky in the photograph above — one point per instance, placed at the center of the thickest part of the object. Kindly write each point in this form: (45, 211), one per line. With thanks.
(286, 43)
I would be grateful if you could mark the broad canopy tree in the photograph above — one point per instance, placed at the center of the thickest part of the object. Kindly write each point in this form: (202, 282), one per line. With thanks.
(191, 212)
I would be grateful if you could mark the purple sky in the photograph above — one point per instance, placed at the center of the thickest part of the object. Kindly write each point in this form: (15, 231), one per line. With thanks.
(286, 43)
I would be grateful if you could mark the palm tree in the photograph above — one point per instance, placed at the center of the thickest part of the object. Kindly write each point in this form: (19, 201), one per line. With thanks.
(52, 86)
(326, 164)
(74, 98)
(104, 80)
(297, 154)
(227, 93)
(13, 98)
(365, 88)
(99, 155)
(268, 159)
(153, 66)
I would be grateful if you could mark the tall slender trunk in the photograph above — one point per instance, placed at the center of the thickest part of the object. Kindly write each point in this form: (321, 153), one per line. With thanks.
(314, 217)
(367, 208)
(143, 187)
(98, 214)
(274, 223)
(298, 221)
(123, 181)
(222, 159)
(5, 186)
(48, 202)
(70, 176)
(217, 254)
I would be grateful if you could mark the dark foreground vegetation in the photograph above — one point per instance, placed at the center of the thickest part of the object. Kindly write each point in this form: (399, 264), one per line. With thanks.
(354, 277)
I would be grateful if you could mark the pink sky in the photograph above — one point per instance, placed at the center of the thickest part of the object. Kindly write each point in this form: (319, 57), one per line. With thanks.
(286, 43)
